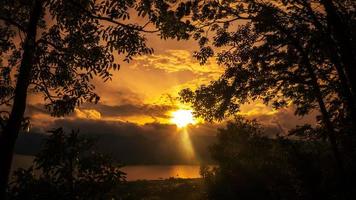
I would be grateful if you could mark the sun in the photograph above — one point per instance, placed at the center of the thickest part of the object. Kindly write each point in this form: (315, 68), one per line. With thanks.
(182, 118)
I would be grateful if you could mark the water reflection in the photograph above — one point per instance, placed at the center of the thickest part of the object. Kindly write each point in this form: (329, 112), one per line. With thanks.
(134, 172)
(155, 172)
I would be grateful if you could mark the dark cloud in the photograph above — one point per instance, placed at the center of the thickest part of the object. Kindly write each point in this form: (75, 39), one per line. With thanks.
(124, 110)
(114, 127)
(131, 110)
(131, 143)
(35, 108)
(117, 94)
(284, 119)
(151, 143)
(129, 129)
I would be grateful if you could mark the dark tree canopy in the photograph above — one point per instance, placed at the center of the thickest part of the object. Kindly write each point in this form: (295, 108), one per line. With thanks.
(75, 41)
(281, 53)
(284, 53)
(55, 48)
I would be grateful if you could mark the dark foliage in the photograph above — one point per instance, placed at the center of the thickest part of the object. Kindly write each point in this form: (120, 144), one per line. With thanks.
(252, 165)
(76, 41)
(55, 48)
(283, 53)
(278, 52)
(68, 167)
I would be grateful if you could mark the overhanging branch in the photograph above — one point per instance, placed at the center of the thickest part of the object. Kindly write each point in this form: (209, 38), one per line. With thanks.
(108, 19)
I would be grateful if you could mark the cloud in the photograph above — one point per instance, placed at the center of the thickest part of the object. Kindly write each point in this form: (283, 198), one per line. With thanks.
(281, 120)
(113, 93)
(176, 61)
(142, 114)
(131, 110)
(131, 143)
(137, 113)
(128, 128)
(87, 113)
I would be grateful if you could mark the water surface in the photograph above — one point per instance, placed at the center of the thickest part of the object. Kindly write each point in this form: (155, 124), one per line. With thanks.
(155, 172)
(134, 172)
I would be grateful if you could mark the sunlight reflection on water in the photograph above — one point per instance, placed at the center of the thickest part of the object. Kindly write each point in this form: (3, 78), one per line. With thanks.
(155, 172)
(135, 172)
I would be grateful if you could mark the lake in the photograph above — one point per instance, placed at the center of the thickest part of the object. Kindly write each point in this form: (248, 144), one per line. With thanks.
(155, 172)
(135, 172)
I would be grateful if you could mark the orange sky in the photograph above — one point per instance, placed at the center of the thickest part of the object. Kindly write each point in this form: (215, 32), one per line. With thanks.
(135, 110)
(143, 91)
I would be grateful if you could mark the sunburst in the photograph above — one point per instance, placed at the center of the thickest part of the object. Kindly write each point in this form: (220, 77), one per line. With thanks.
(182, 118)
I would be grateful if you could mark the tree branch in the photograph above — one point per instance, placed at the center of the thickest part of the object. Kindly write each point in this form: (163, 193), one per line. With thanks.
(13, 23)
(108, 19)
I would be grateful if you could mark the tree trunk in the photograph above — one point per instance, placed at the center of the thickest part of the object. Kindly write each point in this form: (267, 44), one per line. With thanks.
(341, 35)
(319, 97)
(13, 126)
(331, 134)
(325, 114)
(345, 92)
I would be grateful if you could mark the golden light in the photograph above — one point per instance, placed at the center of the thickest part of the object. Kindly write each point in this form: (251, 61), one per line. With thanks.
(182, 118)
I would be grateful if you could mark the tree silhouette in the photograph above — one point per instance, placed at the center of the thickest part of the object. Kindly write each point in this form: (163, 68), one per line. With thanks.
(253, 165)
(281, 52)
(56, 47)
(69, 168)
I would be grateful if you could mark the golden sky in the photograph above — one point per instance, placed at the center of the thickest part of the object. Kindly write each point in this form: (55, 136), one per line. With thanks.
(136, 108)
(143, 90)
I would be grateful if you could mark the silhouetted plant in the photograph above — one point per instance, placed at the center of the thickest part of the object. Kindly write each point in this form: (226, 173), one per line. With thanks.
(278, 52)
(68, 167)
(54, 48)
(296, 53)
(254, 165)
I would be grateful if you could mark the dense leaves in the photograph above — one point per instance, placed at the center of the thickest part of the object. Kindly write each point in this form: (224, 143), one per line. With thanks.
(55, 48)
(68, 167)
(280, 53)
(76, 41)
(253, 165)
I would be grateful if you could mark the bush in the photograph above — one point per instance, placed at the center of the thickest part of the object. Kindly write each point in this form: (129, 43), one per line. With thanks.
(255, 165)
(68, 167)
